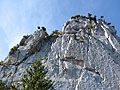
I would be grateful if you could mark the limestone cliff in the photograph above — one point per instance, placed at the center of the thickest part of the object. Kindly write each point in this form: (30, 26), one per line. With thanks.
(84, 56)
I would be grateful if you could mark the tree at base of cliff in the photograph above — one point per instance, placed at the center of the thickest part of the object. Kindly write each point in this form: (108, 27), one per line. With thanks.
(2, 86)
(35, 78)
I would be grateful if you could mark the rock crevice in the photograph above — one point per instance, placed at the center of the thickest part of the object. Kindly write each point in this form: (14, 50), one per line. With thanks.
(85, 55)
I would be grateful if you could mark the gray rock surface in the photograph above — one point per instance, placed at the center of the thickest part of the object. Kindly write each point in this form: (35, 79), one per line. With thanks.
(79, 59)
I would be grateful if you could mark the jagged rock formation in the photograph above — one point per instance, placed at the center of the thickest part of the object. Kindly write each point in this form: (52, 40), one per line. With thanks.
(85, 56)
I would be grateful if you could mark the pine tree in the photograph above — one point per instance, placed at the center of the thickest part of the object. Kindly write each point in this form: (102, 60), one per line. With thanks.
(35, 78)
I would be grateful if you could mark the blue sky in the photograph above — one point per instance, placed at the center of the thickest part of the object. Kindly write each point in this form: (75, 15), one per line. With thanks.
(21, 17)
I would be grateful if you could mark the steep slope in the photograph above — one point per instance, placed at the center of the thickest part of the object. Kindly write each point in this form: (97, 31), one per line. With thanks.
(85, 56)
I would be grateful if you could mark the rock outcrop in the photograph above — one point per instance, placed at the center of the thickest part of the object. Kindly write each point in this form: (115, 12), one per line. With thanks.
(84, 56)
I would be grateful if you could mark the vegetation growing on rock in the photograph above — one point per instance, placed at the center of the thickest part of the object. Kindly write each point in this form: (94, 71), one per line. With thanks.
(35, 78)
(9, 74)
(9, 87)
(89, 26)
(1, 62)
(89, 16)
(108, 23)
(74, 47)
(38, 27)
(12, 50)
(43, 28)
(113, 26)
(102, 16)
(2, 86)
(74, 36)
(22, 42)
(55, 34)
(80, 40)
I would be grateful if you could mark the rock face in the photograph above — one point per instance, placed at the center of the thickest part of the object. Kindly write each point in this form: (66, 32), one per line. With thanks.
(82, 57)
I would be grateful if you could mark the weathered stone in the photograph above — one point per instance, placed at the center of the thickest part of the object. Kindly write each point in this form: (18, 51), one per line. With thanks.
(93, 64)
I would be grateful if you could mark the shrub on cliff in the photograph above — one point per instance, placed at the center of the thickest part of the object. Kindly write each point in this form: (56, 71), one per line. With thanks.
(55, 34)
(74, 36)
(108, 23)
(102, 17)
(38, 27)
(89, 16)
(1, 62)
(89, 26)
(43, 28)
(12, 50)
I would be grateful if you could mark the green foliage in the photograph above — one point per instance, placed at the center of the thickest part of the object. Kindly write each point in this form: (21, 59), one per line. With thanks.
(102, 16)
(9, 87)
(12, 87)
(43, 28)
(80, 40)
(76, 20)
(73, 17)
(4, 75)
(46, 34)
(83, 16)
(2, 86)
(26, 36)
(22, 43)
(94, 18)
(35, 78)
(77, 16)
(12, 50)
(113, 26)
(89, 16)
(89, 26)
(1, 62)
(55, 34)
(9, 74)
(108, 23)
(74, 36)
(38, 27)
